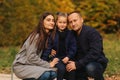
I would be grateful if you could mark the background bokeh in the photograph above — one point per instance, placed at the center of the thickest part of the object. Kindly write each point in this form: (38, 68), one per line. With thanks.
(19, 17)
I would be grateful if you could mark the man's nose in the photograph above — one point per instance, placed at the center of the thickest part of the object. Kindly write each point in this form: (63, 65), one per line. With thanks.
(73, 23)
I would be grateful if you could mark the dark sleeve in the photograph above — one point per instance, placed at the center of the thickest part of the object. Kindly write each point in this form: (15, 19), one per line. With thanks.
(47, 51)
(95, 48)
(72, 47)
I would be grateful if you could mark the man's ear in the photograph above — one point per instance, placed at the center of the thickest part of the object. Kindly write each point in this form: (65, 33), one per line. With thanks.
(82, 20)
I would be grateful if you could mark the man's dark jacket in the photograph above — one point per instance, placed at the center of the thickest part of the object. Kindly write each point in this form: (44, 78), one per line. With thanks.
(89, 47)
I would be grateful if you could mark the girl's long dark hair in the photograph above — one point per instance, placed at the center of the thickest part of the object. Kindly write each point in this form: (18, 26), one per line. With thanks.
(42, 40)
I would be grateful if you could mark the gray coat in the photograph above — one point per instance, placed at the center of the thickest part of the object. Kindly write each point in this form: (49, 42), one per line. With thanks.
(28, 64)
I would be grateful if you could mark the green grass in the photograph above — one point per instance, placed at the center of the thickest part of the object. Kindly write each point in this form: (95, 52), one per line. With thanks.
(111, 49)
(7, 55)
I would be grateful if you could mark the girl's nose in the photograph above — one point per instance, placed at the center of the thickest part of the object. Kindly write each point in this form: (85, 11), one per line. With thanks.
(52, 23)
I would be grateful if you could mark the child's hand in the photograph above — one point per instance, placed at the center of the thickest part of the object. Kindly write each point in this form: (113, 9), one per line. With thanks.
(54, 62)
(53, 52)
(65, 60)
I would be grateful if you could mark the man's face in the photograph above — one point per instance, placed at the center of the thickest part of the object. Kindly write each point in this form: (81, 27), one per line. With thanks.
(75, 21)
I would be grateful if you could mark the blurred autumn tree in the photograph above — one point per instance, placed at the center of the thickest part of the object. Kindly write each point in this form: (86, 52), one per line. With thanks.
(19, 17)
(101, 14)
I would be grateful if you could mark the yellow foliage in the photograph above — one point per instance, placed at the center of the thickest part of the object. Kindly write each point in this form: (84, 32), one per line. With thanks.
(111, 22)
(64, 5)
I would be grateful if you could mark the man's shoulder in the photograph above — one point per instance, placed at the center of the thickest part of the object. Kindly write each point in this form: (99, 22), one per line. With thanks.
(89, 29)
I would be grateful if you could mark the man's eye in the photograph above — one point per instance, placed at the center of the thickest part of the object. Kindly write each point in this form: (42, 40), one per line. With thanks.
(70, 22)
(60, 22)
(75, 20)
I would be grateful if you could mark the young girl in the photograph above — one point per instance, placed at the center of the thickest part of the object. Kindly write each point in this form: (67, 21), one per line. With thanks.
(28, 65)
(63, 47)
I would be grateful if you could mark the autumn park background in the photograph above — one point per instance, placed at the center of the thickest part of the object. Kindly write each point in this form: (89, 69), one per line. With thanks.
(19, 17)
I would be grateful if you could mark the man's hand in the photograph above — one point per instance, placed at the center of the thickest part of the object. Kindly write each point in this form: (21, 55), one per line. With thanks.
(70, 66)
(53, 52)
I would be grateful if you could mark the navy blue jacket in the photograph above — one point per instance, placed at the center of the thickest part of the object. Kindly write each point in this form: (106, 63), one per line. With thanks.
(89, 47)
(70, 45)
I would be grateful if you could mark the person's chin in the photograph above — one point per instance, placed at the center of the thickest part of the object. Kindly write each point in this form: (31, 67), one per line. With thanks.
(75, 29)
(51, 27)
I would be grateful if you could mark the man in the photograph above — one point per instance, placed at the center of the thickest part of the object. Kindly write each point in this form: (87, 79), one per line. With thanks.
(90, 60)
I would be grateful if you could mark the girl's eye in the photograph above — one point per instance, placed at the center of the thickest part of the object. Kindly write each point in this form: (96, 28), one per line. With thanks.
(64, 22)
(48, 19)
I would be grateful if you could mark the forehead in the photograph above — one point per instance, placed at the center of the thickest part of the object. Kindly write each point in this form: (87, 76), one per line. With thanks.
(73, 15)
(49, 16)
(62, 17)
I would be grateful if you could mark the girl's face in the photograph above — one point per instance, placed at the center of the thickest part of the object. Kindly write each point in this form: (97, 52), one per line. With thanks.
(49, 23)
(61, 23)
